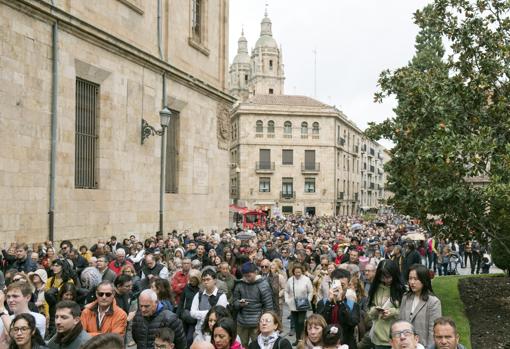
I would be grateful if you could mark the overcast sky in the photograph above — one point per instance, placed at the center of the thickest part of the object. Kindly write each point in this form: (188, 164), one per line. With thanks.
(354, 39)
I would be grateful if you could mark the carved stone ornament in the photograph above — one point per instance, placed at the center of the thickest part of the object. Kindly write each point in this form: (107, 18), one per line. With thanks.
(223, 125)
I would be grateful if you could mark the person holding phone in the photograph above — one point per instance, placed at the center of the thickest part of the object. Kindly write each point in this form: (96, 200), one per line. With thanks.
(340, 311)
(384, 301)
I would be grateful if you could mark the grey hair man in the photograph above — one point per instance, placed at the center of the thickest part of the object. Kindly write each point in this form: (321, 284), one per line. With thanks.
(403, 336)
(152, 316)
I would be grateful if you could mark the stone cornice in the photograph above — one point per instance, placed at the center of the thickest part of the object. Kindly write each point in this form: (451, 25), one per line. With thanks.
(45, 11)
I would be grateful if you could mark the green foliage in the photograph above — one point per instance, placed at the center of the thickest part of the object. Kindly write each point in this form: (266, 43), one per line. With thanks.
(447, 290)
(452, 122)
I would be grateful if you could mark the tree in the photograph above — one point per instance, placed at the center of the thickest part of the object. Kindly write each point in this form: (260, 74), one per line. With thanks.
(452, 122)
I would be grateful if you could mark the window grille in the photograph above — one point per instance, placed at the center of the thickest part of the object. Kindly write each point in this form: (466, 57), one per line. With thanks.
(86, 135)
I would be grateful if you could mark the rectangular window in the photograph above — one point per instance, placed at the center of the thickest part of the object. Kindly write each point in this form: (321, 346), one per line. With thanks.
(270, 64)
(172, 153)
(287, 209)
(287, 157)
(86, 134)
(197, 20)
(265, 159)
(246, 78)
(309, 159)
(309, 185)
(264, 184)
(287, 186)
(271, 91)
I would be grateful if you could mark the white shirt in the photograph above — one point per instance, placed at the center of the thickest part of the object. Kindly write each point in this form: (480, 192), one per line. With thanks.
(40, 323)
(201, 314)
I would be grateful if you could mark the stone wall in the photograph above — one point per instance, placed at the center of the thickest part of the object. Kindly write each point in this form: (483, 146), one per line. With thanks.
(127, 198)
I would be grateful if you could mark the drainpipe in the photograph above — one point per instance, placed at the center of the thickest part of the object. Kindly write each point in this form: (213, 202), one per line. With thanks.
(159, 31)
(162, 184)
(53, 154)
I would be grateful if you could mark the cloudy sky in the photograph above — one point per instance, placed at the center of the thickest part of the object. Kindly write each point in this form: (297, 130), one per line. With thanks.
(354, 39)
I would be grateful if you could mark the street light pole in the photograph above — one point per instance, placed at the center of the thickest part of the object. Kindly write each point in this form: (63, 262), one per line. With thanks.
(165, 116)
(162, 179)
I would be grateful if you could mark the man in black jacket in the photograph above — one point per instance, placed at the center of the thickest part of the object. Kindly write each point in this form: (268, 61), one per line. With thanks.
(412, 257)
(252, 295)
(23, 263)
(152, 316)
(338, 310)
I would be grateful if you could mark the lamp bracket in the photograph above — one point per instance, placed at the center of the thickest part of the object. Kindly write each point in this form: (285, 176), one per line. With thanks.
(148, 130)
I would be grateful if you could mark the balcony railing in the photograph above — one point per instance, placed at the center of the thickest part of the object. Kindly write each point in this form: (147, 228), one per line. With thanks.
(340, 141)
(355, 149)
(310, 167)
(340, 195)
(356, 197)
(363, 148)
(288, 195)
(372, 185)
(264, 166)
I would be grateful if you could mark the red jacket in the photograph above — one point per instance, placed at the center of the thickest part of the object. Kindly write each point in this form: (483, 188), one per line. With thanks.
(179, 282)
(116, 266)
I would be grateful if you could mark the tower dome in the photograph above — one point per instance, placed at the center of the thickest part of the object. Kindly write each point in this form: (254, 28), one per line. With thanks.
(266, 35)
(242, 56)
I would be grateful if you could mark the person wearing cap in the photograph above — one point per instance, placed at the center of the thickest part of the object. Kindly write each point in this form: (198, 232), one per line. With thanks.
(252, 296)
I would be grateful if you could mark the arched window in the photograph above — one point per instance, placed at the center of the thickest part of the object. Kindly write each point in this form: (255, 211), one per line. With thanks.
(287, 127)
(270, 126)
(259, 126)
(315, 128)
(304, 128)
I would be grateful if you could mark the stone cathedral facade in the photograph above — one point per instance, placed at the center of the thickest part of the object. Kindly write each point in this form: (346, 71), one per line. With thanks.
(295, 154)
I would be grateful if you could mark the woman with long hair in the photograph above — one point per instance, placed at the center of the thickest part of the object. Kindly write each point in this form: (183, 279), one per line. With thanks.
(281, 282)
(420, 306)
(61, 274)
(384, 300)
(314, 328)
(66, 292)
(225, 334)
(270, 333)
(24, 333)
(214, 315)
(162, 289)
(299, 289)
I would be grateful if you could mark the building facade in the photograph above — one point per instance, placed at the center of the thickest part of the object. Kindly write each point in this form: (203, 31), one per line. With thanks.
(76, 80)
(294, 154)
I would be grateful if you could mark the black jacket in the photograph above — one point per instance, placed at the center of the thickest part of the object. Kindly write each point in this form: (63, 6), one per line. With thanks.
(145, 328)
(281, 343)
(347, 319)
(186, 299)
(259, 296)
(412, 257)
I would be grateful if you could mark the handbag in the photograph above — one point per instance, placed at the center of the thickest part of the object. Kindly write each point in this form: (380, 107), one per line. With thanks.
(302, 304)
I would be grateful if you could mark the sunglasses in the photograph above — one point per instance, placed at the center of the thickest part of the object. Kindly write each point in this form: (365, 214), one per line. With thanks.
(104, 294)
(264, 266)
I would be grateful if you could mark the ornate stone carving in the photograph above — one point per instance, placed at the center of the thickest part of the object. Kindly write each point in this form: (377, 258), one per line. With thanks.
(223, 126)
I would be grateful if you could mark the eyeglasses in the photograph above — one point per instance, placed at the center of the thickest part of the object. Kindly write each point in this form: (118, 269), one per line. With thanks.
(324, 265)
(17, 279)
(406, 333)
(104, 294)
(23, 329)
(267, 321)
(160, 346)
(264, 266)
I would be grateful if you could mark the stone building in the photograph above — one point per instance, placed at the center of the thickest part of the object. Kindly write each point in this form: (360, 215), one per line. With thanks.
(76, 80)
(294, 154)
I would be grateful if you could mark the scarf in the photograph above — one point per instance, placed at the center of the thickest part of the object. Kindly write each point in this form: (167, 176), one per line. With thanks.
(310, 345)
(68, 337)
(267, 342)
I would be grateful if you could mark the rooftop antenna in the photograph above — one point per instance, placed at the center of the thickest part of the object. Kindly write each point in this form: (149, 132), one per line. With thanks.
(265, 12)
(315, 73)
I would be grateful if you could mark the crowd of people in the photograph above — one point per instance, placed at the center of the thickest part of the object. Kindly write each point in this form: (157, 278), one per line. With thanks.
(347, 283)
